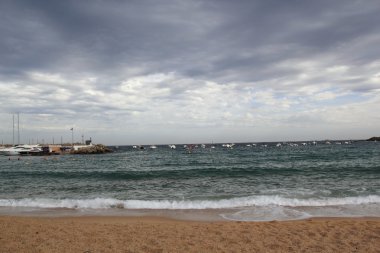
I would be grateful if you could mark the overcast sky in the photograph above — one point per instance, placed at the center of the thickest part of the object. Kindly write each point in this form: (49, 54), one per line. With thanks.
(171, 71)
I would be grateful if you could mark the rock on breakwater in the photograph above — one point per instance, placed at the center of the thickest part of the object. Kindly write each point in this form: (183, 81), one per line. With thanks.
(374, 139)
(94, 149)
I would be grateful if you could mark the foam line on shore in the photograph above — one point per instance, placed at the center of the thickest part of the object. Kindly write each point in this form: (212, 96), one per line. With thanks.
(252, 201)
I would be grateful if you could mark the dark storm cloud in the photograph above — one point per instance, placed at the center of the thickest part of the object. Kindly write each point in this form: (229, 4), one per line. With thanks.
(295, 30)
(201, 38)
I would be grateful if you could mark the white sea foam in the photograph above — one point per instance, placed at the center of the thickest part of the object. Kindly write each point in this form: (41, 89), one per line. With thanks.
(267, 214)
(252, 201)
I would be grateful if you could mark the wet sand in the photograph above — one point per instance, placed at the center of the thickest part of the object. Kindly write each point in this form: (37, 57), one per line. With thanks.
(153, 234)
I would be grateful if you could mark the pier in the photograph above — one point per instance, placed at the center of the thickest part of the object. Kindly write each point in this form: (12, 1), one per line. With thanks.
(54, 149)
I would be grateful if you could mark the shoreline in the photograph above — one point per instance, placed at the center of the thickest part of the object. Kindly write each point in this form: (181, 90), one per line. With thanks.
(163, 234)
(208, 214)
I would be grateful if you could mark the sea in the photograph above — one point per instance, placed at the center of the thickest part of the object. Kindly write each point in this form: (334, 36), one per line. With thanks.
(245, 182)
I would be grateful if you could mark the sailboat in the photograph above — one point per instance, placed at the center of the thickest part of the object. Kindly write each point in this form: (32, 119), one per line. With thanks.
(18, 149)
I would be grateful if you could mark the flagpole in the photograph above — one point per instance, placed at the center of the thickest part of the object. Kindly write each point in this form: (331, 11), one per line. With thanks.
(72, 136)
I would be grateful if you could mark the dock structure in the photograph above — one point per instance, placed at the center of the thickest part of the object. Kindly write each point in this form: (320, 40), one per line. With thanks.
(55, 149)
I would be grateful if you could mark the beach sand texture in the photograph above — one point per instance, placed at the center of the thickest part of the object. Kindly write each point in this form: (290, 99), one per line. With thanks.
(150, 234)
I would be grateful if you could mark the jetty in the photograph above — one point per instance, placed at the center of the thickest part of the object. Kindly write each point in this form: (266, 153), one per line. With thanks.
(55, 149)
(93, 149)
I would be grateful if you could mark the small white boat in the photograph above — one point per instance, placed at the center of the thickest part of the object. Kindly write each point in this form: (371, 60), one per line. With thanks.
(153, 147)
(172, 146)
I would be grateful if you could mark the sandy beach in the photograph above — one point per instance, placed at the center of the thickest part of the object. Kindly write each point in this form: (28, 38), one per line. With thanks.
(155, 234)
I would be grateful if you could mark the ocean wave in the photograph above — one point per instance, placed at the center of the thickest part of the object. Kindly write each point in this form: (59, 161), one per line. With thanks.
(252, 201)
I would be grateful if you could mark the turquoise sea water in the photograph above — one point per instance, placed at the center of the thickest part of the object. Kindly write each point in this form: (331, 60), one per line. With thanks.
(250, 182)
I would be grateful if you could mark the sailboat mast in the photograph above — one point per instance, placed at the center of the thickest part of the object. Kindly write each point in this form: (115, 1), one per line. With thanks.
(18, 128)
(13, 127)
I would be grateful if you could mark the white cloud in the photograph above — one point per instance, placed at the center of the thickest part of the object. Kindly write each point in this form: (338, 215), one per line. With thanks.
(46, 77)
(327, 95)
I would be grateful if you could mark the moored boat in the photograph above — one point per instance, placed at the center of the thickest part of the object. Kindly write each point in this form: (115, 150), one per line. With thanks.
(20, 150)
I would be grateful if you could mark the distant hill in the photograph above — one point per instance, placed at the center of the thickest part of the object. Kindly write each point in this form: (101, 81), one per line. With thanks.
(374, 139)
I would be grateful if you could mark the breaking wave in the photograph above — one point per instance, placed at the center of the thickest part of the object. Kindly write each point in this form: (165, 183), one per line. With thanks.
(252, 201)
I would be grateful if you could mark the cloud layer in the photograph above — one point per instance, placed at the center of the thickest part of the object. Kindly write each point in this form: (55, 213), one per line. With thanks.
(174, 71)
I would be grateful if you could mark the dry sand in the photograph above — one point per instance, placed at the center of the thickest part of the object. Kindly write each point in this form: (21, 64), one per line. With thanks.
(149, 234)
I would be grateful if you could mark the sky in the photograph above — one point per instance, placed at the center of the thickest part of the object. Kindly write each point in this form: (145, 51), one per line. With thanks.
(194, 71)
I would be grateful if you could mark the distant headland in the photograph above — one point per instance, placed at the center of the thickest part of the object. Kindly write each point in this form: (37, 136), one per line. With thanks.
(374, 139)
